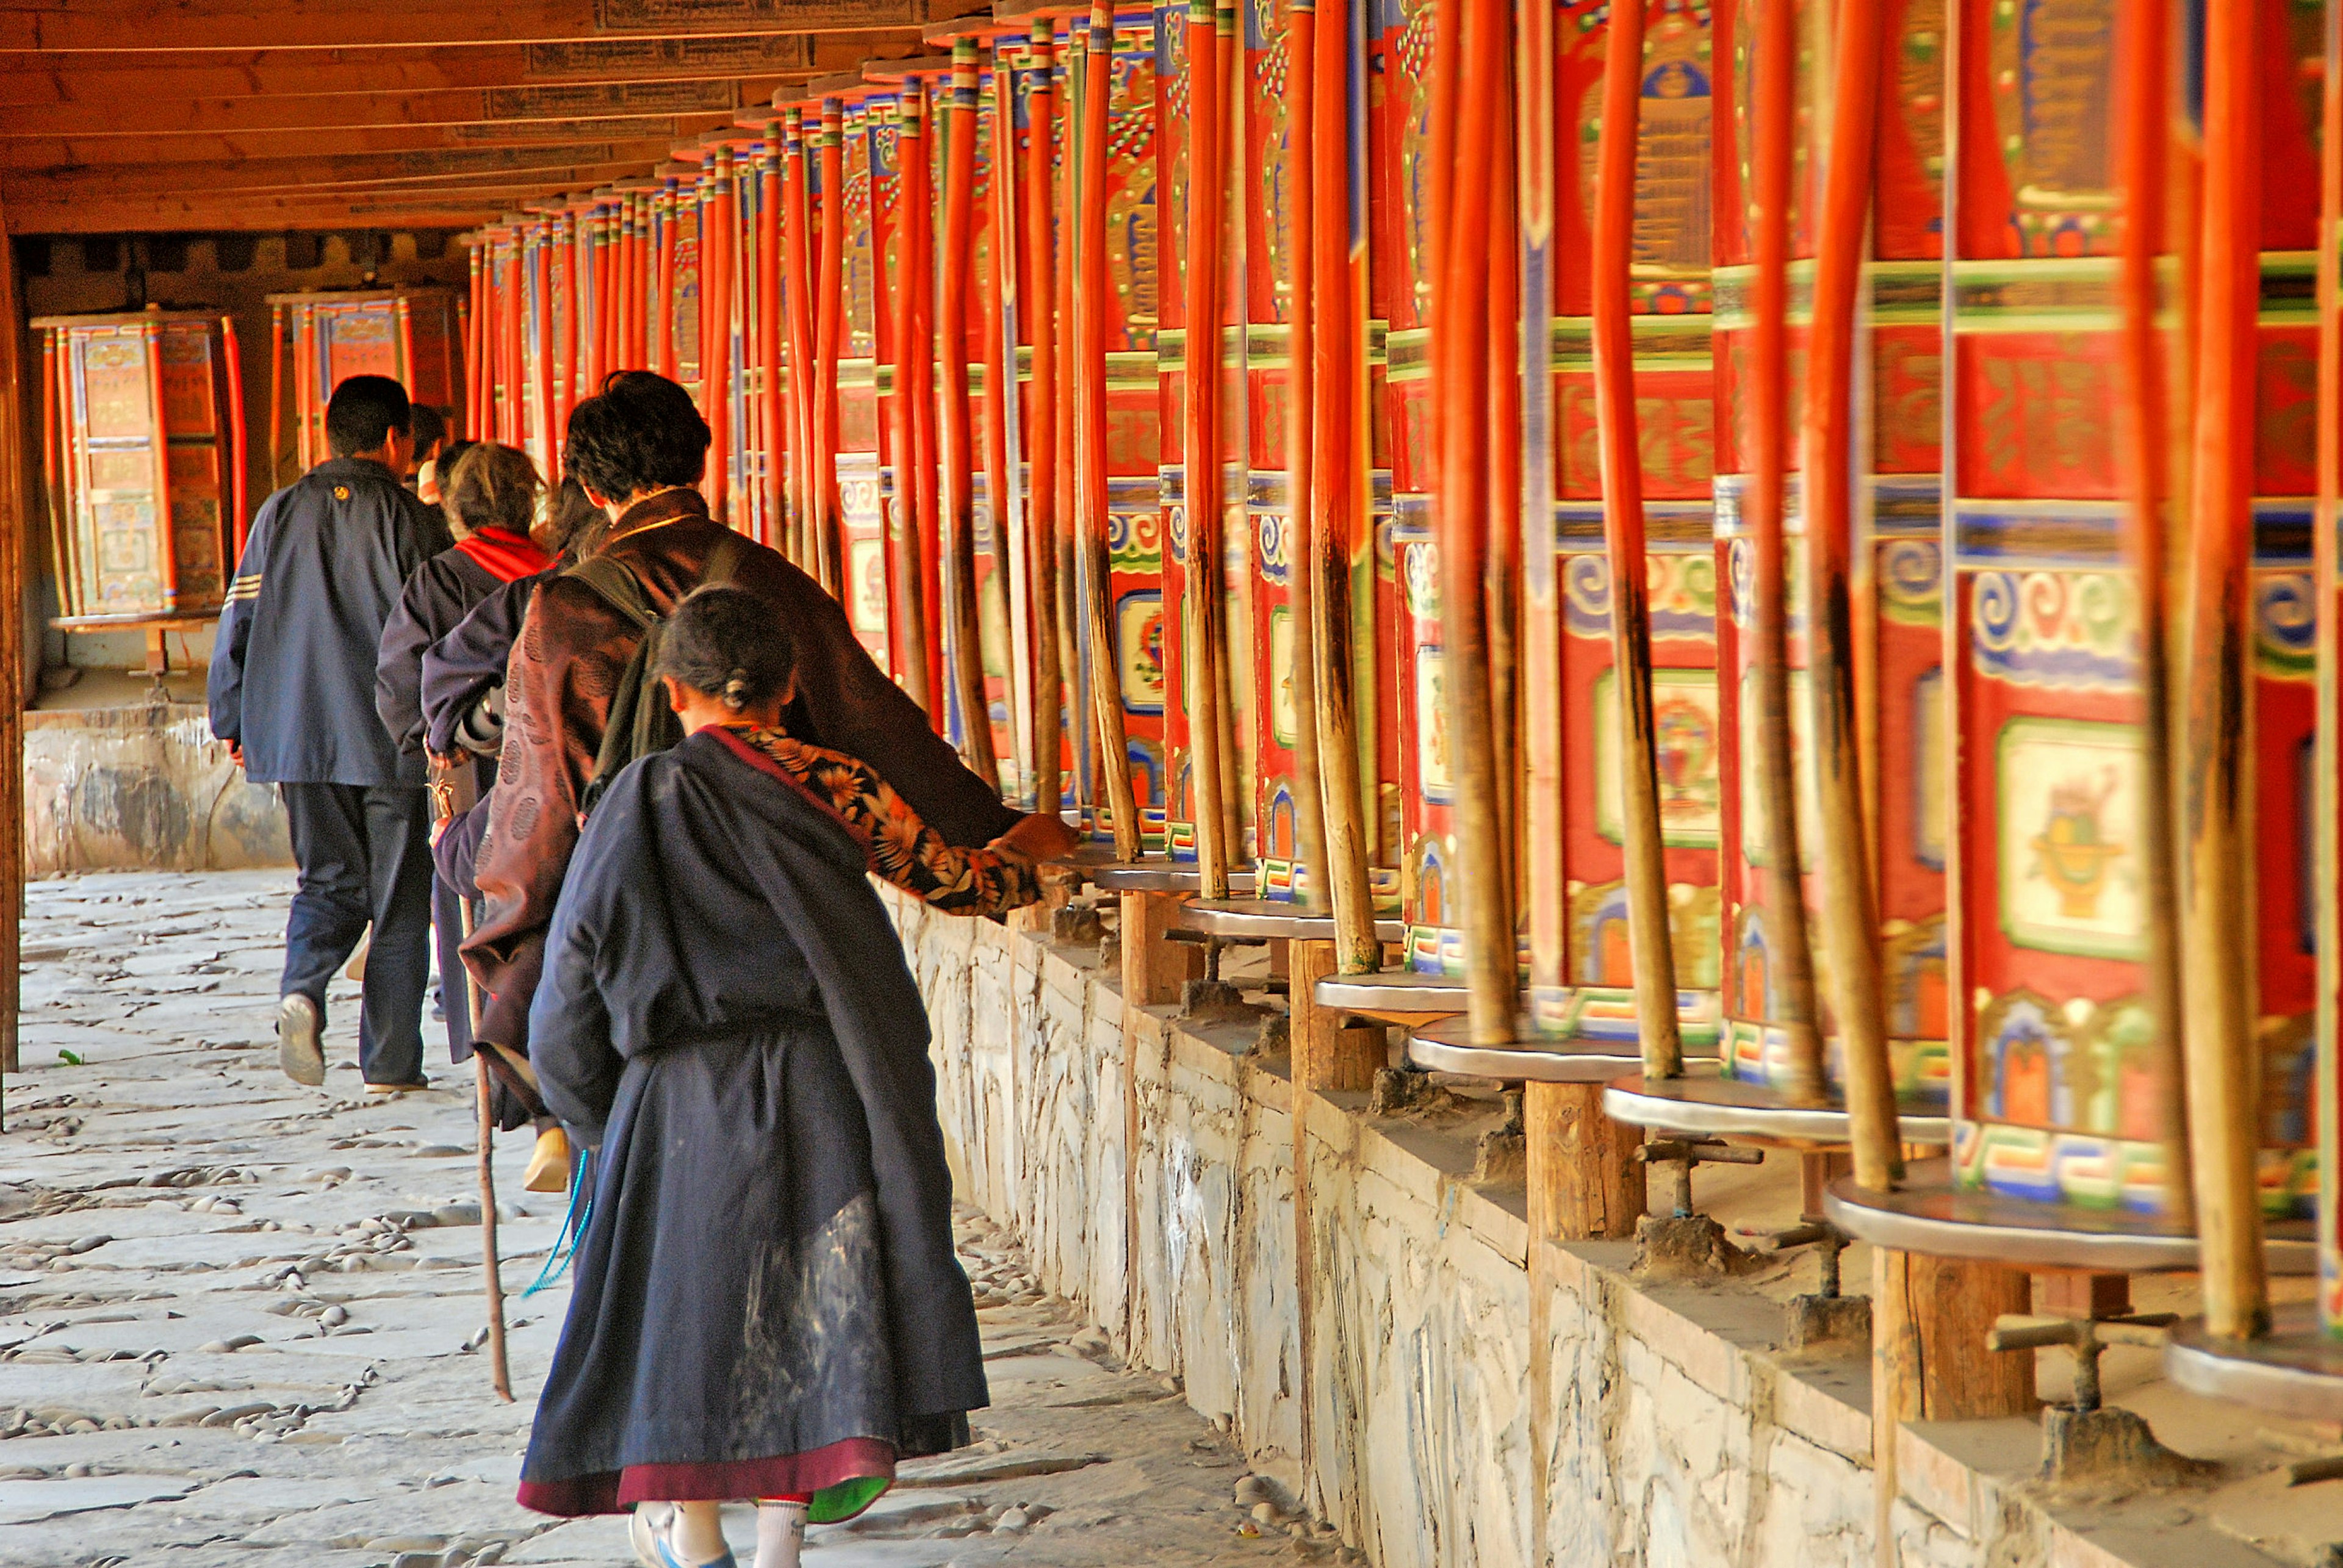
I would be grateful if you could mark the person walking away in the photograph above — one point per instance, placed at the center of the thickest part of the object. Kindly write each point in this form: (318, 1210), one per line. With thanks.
(291, 691)
(432, 460)
(638, 446)
(768, 1304)
(491, 505)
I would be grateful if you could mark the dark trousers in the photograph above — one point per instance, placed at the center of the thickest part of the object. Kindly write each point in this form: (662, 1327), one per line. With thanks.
(365, 855)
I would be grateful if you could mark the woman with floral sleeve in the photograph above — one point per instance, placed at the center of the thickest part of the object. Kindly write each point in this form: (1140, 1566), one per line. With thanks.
(768, 1304)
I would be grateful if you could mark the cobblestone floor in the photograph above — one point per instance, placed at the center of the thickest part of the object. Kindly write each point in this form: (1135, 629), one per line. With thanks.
(238, 1318)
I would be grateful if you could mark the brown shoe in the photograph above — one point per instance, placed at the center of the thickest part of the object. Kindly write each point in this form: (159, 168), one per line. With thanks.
(420, 1083)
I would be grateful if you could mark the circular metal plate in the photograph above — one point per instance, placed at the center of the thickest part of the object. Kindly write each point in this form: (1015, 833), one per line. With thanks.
(1705, 1102)
(1156, 874)
(1270, 919)
(1394, 990)
(1929, 1215)
(1529, 1058)
(2297, 1372)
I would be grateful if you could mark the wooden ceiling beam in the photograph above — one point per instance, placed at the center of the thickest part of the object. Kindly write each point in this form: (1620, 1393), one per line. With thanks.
(129, 27)
(170, 76)
(294, 173)
(36, 213)
(18, 155)
(226, 117)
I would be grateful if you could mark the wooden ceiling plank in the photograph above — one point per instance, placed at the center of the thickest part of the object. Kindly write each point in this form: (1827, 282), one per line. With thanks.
(224, 117)
(376, 166)
(23, 154)
(135, 26)
(174, 76)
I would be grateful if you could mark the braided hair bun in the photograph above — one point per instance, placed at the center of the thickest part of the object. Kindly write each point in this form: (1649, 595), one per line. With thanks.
(729, 644)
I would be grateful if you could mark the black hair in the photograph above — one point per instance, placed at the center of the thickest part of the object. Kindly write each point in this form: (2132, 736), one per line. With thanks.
(428, 427)
(363, 412)
(450, 456)
(566, 519)
(640, 432)
(494, 486)
(729, 643)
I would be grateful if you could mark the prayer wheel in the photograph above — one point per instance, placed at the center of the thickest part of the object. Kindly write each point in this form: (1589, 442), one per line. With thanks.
(142, 431)
(413, 335)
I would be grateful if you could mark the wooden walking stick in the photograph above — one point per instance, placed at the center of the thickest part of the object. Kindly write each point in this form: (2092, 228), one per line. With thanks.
(456, 790)
(1091, 491)
(1790, 974)
(2223, 1080)
(1040, 300)
(958, 448)
(1850, 911)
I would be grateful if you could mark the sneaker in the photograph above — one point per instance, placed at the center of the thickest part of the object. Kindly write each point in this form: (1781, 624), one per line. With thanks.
(419, 1084)
(550, 1165)
(650, 1531)
(298, 1051)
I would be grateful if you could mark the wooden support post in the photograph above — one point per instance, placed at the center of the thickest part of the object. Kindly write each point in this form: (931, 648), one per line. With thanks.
(1584, 1181)
(1200, 610)
(1790, 981)
(1154, 967)
(767, 377)
(909, 547)
(1850, 903)
(1330, 1053)
(829, 303)
(1649, 943)
(965, 670)
(1093, 562)
(1038, 303)
(2222, 1056)
(1929, 1317)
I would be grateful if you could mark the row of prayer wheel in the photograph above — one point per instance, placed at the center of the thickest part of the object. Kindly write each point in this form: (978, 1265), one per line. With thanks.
(1765, 568)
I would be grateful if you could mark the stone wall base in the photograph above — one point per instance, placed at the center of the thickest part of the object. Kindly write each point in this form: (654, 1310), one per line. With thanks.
(1376, 1331)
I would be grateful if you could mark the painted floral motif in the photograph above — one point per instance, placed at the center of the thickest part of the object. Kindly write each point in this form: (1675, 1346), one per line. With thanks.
(2072, 630)
(903, 850)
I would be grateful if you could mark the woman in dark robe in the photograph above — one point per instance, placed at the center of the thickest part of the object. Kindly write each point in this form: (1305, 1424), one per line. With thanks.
(768, 1304)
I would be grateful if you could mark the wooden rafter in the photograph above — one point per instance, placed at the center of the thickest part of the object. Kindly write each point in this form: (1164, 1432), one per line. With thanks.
(143, 80)
(129, 27)
(62, 157)
(607, 100)
(320, 172)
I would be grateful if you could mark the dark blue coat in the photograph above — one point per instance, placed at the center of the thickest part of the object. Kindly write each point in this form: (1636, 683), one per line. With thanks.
(768, 1271)
(293, 664)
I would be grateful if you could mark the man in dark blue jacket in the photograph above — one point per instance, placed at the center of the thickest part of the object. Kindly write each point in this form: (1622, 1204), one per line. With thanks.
(292, 693)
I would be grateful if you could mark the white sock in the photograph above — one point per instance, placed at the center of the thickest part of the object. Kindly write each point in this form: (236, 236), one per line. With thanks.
(780, 1534)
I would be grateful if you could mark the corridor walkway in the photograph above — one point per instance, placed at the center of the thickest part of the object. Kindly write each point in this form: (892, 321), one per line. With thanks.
(238, 1319)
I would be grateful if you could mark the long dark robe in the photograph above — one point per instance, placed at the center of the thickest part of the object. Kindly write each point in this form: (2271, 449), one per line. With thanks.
(766, 1300)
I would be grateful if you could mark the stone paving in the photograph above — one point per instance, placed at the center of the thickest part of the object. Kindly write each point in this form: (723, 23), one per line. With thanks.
(240, 1320)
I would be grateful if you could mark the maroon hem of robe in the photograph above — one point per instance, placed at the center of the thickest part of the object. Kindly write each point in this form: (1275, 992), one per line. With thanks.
(728, 1481)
